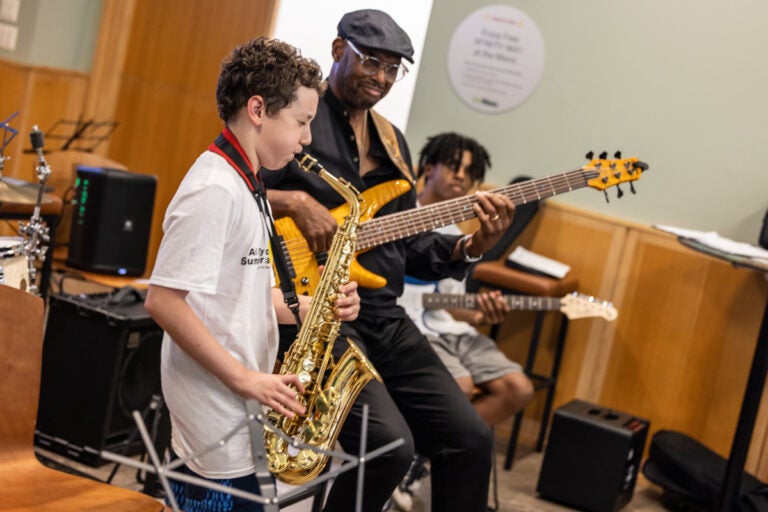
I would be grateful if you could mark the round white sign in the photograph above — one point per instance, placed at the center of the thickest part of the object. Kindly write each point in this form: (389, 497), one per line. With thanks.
(495, 58)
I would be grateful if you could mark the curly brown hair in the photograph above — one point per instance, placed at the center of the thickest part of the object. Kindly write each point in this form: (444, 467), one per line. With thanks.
(266, 67)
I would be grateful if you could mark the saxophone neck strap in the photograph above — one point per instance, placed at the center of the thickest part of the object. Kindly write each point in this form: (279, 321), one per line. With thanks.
(387, 135)
(227, 146)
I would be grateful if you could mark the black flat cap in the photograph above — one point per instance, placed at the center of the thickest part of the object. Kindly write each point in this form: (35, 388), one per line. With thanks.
(375, 30)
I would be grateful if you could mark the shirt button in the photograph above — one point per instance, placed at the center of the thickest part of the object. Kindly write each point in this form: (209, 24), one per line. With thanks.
(346, 113)
(355, 159)
(352, 137)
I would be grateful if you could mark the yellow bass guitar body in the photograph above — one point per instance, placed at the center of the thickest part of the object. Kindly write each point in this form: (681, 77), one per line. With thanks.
(304, 261)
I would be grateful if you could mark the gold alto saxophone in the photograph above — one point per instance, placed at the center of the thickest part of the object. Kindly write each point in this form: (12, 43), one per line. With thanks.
(327, 399)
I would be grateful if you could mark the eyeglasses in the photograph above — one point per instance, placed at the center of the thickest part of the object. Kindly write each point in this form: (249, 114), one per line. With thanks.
(371, 66)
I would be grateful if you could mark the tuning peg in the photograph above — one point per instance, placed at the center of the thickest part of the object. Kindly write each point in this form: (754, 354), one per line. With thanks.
(605, 192)
(603, 155)
(590, 155)
(617, 155)
(632, 187)
(619, 192)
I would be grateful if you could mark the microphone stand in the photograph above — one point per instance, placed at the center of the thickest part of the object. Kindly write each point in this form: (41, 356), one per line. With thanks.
(37, 232)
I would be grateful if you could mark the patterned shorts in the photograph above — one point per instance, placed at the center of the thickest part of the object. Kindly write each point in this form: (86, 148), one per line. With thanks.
(194, 498)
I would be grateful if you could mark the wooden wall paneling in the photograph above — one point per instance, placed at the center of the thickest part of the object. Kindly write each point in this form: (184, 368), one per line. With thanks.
(14, 79)
(42, 96)
(108, 63)
(592, 246)
(54, 95)
(683, 343)
(166, 108)
(758, 457)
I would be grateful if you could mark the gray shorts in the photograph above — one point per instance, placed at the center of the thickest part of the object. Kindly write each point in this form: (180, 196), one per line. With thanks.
(472, 355)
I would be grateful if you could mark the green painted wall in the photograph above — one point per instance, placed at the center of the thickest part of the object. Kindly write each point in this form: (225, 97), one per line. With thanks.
(680, 84)
(57, 33)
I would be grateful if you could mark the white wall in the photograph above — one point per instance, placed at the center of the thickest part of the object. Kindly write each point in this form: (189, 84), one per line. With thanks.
(311, 26)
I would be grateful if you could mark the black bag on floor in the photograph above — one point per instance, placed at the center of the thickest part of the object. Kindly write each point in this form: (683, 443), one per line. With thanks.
(691, 475)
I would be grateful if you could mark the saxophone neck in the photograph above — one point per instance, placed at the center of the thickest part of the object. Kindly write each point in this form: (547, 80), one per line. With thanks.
(351, 195)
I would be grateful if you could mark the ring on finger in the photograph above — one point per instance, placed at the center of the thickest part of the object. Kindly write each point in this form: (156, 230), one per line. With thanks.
(495, 217)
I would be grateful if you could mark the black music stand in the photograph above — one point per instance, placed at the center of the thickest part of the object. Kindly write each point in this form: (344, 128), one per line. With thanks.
(750, 404)
(78, 134)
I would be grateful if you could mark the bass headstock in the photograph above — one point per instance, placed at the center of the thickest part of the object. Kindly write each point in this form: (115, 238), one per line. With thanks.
(604, 173)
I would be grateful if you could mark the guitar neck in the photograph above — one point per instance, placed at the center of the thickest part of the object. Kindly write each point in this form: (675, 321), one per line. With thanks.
(389, 228)
(469, 301)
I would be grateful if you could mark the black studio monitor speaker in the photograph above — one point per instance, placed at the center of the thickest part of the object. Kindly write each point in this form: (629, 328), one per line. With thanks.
(111, 220)
(592, 457)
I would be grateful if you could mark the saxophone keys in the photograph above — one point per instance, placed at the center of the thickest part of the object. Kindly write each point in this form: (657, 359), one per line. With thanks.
(305, 377)
(306, 459)
(312, 431)
(278, 462)
(326, 400)
(308, 364)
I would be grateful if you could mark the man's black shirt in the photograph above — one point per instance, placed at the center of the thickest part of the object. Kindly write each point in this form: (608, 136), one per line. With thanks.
(424, 256)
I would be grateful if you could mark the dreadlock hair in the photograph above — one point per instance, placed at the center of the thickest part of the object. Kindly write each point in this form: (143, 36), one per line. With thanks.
(447, 149)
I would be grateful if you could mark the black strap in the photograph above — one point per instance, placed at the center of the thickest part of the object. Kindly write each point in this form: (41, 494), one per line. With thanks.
(282, 261)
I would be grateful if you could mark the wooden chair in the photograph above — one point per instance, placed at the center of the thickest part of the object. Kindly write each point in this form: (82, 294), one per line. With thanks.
(25, 483)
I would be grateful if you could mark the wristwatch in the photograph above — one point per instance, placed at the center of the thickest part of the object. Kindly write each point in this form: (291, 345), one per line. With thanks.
(466, 257)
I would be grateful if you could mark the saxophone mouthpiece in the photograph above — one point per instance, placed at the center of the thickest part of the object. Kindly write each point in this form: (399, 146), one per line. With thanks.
(308, 163)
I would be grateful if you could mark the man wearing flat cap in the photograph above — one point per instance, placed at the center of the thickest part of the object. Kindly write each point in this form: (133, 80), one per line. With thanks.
(419, 400)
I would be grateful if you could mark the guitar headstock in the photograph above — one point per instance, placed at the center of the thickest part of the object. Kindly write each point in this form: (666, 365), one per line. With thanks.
(577, 305)
(610, 173)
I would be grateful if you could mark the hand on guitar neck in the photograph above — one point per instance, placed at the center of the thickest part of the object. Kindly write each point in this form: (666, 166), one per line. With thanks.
(489, 308)
(494, 211)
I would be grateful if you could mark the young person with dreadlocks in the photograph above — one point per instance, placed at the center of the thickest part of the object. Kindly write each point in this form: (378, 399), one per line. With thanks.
(451, 166)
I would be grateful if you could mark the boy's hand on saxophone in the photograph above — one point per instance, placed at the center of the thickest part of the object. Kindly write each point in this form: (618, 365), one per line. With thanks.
(347, 302)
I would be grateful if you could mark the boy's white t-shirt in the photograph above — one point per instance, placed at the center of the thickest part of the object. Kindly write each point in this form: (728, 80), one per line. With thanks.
(216, 247)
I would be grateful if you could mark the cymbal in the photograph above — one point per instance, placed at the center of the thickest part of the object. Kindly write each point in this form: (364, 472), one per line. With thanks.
(17, 191)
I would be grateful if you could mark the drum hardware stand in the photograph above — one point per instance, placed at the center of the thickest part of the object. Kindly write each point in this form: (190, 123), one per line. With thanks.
(35, 230)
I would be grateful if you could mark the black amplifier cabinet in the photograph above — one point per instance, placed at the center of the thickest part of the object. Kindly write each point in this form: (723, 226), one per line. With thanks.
(592, 457)
(101, 361)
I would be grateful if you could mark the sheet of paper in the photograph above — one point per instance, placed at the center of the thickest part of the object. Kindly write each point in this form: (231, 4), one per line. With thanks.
(712, 239)
(530, 259)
